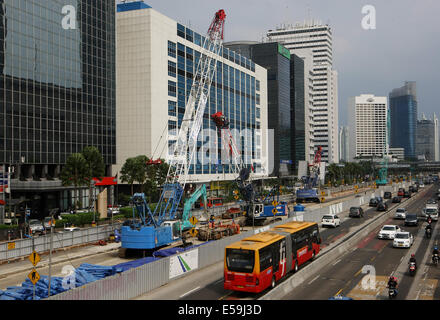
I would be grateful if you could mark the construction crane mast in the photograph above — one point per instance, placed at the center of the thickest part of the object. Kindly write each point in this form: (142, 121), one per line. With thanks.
(308, 193)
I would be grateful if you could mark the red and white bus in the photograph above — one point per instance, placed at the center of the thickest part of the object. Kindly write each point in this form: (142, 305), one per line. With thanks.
(260, 261)
(212, 202)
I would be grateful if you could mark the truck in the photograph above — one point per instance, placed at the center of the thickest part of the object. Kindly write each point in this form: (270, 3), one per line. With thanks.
(431, 209)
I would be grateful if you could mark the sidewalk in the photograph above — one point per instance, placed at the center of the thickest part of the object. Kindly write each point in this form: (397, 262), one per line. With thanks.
(60, 256)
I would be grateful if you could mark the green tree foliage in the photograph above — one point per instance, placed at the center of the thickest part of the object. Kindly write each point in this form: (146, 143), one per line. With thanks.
(95, 166)
(75, 173)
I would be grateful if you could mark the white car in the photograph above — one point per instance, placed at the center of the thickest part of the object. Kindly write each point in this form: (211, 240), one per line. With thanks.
(331, 220)
(388, 231)
(400, 213)
(71, 229)
(421, 185)
(403, 239)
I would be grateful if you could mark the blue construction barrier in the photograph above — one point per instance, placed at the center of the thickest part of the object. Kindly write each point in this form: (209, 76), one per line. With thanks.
(82, 275)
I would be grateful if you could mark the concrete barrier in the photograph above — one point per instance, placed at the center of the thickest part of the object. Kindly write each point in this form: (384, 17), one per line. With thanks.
(339, 248)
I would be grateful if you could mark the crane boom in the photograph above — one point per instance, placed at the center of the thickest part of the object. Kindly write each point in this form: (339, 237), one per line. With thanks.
(186, 143)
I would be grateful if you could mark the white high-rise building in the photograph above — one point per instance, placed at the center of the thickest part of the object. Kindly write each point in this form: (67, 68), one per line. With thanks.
(156, 61)
(436, 139)
(367, 116)
(317, 37)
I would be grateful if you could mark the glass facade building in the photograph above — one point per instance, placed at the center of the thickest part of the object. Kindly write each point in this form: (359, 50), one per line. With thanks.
(403, 116)
(57, 83)
(297, 109)
(233, 92)
(276, 59)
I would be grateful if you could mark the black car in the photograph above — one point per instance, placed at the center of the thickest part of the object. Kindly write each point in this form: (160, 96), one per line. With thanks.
(373, 202)
(407, 194)
(397, 200)
(387, 195)
(382, 206)
(356, 212)
(413, 188)
(411, 220)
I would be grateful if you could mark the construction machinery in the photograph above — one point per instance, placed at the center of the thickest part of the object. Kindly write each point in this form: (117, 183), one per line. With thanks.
(309, 192)
(256, 208)
(161, 227)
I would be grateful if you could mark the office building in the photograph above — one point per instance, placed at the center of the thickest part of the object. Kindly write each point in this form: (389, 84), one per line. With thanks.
(277, 60)
(397, 153)
(57, 94)
(156, 62)
(427, 138)
(403, 118)
(317, 38)
(367, 116)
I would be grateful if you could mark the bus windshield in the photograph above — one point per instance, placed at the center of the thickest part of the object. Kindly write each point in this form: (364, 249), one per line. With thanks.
(238, 260)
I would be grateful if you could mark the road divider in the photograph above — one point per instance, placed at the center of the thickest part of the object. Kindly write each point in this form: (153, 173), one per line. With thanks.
(333, 252)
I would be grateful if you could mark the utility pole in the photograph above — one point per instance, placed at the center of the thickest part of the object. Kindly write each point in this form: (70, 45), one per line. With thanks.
(51, 248)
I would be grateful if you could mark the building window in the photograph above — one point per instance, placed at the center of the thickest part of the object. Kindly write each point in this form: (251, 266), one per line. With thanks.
(257, 99)
(172, 88)
(172, 69)
(171, 49)
(171, 108)
(257, 113)
(172, 127)
(180, 30)
(258, 85)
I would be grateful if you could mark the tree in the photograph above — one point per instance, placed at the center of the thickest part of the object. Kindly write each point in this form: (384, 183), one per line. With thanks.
(75, 172)
(129, 171)
(95, 165)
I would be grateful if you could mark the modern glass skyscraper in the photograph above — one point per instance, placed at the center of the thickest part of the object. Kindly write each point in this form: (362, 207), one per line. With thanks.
(427, 138)
(298, 109)
(57, 90)
(317, 38)
(276, 59)
(403, 113)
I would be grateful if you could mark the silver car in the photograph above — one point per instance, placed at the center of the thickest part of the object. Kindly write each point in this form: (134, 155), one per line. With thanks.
(400, 213)
(35, 226)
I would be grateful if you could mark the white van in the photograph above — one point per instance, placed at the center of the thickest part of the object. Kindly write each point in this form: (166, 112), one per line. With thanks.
(431, 210)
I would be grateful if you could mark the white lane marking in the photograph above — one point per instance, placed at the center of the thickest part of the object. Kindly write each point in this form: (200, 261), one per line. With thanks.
(314, 279)
(337, 262)
(185, 294)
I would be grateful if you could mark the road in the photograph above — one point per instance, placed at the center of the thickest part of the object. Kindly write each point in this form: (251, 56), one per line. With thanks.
(198, 288)
(346, 276)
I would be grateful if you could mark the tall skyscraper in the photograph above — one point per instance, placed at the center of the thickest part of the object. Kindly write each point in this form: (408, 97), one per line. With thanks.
(427, 138)
(157, 58)
(277, 60)
(57, 94)
(403, 113)
(317, 38)
(368, 126)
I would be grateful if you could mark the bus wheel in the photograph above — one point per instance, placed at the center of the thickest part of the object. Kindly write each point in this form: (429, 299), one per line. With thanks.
(295, 269)
(273, 283)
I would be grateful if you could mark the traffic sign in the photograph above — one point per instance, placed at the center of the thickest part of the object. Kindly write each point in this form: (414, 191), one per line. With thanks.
(356, 187)
(322, 193)
(322, 199)
(193, 232)
(11, 245)
(34, 258)
(193, 220)
(34, 276)
(236, 197)
(356, 191)
(274, 203)
(274, 211)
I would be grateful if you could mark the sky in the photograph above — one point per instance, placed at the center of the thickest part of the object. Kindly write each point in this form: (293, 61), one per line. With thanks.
(405, 46)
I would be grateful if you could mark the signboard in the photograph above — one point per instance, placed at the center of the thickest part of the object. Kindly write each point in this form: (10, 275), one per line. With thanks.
(193, 220)
(322, 199)
(183, 263)
(34, 276)
(283, 51)
(286, 161)
(193, 232)
(34, 258)
(11, 245)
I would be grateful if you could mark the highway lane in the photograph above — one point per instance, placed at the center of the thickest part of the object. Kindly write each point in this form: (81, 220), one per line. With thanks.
(345, 276)
(214, 290)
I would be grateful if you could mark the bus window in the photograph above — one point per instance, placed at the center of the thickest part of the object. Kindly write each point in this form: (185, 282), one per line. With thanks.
(265, 258)
(240, 260)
